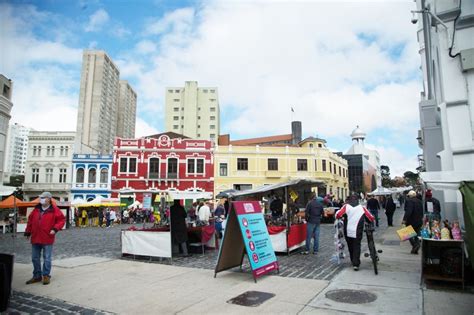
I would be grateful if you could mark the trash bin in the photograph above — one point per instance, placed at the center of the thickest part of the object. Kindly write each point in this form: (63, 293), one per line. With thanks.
(6, 276)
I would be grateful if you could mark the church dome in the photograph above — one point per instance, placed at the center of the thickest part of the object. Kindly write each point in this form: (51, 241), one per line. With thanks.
(358, 134)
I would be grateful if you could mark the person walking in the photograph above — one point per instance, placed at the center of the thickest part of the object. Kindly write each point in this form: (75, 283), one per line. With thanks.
(354, 216)
(101, 217)
(390, 207)
(414, 217)
(313, 212)
(107, 217)
(113, 217)
(43, 223)
(179, 232)
(84, 218)
(374, 206)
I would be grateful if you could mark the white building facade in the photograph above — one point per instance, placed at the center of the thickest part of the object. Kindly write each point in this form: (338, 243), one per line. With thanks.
(373, 157)
(6, 105)
(91, 176)
(16, 149)
(49, 164)
(193, 111)
(446, 38)
(98, 104)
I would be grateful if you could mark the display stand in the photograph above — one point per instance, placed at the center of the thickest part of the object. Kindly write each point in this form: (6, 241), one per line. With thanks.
(284, 242)
(147, 243)
(432, 254)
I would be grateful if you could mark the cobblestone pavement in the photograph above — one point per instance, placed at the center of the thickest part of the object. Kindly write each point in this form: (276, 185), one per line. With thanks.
(25, 303)
(102, 242)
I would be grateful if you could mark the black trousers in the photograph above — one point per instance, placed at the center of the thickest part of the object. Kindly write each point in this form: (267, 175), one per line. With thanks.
(414, 241)
(354, 249)
(389, 217)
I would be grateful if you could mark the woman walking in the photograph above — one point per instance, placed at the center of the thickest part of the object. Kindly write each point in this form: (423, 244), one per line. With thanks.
(390, 207)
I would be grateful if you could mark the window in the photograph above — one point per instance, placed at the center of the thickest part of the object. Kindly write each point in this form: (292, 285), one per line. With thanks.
(123, 165)
(213, 126)
(175, 126)
(213, 91)
(104, 176)
(199, 117)
(39, 150)
(52, 150)
(176, 100)
(324, 165)
(315, 165)
(242, 164)
(62, 175)
(213, 136)
(172, 168)
(92, 175)
(61, 151)
(213, 117)
(272, 164)
(195, 166)
(223, 169)
(154, 172)
(35, 151)
(242, 186)
(320, 145)
(311, 145)
(48, 151)
(213, 109)
(340, 171)
(176, 109)
(205, 91)
(80, 175)
(35, 177)
(330, 167)
(334, 168)
(170, 91)
(176, 118)
(176, 91)
(302, 164)
(66, 150)
(132, 165)
(49, 175)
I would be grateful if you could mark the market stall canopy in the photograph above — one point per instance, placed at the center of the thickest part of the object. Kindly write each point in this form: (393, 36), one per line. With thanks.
(6, 190)
(381, 191)
(78, 202)
(226, 193)
(10, 203)
(182, 195)
(267, 188)
(447, 179)
(34, 203)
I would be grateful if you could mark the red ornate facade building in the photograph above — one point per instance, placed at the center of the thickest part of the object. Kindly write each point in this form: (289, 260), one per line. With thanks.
(159, 163)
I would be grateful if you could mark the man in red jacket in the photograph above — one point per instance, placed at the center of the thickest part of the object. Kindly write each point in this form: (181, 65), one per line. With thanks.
(43, 224)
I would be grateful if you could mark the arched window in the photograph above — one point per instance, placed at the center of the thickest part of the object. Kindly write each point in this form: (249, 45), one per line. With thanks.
(104, 176)
(172, 168)
(80, 175)
(154, 168)
(92, 176)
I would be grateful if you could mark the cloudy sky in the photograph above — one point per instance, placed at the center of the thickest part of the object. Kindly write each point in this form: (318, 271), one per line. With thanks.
(338, 64)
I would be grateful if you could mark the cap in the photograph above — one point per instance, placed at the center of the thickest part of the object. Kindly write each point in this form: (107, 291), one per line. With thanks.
(46, 194)
(411, 193)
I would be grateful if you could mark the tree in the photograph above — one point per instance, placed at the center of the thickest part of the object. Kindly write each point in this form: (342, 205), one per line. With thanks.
(385, 172)
(411, 178)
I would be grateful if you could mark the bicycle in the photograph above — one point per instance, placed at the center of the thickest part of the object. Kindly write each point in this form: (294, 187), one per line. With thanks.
(369, 232)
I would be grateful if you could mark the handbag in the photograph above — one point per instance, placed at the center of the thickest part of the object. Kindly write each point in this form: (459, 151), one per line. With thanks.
(406, 233)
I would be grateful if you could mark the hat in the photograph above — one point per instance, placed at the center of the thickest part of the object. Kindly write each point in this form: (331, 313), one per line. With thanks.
(428, 194)
(411, 193)
(46, 194)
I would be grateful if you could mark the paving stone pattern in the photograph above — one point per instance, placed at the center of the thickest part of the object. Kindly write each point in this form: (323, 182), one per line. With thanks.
(25, 303)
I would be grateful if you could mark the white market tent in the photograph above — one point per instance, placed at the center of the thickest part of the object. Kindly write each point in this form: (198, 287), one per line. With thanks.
(6, 190)
(190, 195)
(381, 191)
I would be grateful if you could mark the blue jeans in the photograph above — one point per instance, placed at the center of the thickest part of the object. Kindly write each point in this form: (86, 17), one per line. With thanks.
(312, 231)
(36, 259)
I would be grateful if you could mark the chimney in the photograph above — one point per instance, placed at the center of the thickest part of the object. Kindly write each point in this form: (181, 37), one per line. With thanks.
(296, 132)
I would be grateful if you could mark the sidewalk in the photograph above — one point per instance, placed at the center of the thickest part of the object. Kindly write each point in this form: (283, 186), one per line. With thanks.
(130, 287)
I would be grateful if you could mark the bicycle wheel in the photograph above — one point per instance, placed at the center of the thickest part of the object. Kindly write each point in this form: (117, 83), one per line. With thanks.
(373, 253)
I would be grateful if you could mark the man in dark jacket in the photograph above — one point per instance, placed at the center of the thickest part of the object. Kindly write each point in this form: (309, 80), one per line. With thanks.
(432, 206)
(313, 212)
(390, 207)
(276, 207)
(414, 217)
(43, 224)
(179, 232)
(374, 206)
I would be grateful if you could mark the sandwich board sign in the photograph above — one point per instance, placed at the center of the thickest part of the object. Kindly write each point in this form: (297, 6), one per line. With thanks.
(246, 233)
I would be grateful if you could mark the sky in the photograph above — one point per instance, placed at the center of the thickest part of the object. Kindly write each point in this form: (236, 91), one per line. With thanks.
(337, 64)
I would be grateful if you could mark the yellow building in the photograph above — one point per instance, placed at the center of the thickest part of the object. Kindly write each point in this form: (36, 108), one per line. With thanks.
(243, 165)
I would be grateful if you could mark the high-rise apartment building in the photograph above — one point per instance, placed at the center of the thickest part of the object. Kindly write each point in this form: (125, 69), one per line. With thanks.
(16, 149)
(126, 114)
(193, 111)
(5, 110)
(98, 104)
